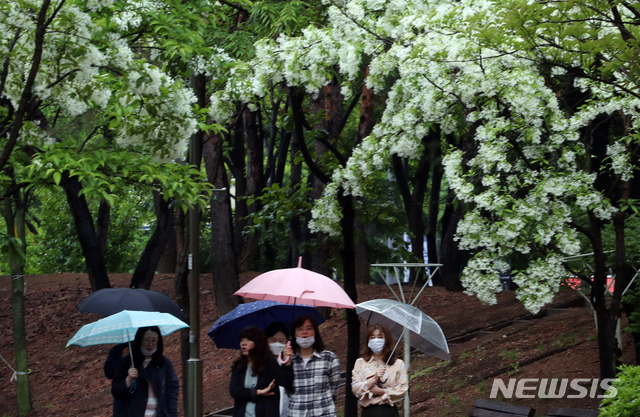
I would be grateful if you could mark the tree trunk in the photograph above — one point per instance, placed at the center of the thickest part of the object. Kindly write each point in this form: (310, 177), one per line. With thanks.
(16, 230)
(413, 204)
(168, 260)
(607, 348)
(223, 261)
(87, 235)
(434, 211)
(238, 168)
(325, 109)
(353, 323)
(255, 184)
(363, 274)
(102, 225)
(365, 126)
(148, 263)
(451, 258)
(295, 175)
(367, 105)
(270, 148)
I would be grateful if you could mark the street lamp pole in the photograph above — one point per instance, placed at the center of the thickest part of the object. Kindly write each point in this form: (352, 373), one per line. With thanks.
(194, 363)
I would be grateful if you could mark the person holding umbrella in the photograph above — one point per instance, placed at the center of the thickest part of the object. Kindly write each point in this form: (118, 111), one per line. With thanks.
(316, 372)
(256, 375)
(145, 383)
(378, 379)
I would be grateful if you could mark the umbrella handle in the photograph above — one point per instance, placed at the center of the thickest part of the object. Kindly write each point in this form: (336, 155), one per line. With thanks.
(396, 346)
(132, 388)
(131, 354)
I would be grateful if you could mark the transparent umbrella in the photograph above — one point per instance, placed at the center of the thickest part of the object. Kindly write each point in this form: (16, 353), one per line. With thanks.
(424, 333)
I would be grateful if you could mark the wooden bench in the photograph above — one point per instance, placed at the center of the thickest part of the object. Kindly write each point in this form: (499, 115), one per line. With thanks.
(486, 408)
(572, 412)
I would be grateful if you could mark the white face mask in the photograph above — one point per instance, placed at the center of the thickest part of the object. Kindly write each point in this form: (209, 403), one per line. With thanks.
(305, 342)
(376, 345)
(147, 352)
(276, 348)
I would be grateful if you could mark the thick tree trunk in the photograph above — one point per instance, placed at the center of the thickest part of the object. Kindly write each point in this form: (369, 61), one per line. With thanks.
(295, 176)
(367, 105)
(16, 228)
(607, 347)
(363, 274)
(365, 126)
(255, 184)
(102, 225)
(223, 262)
(148, 263)
(452, 259)
(238, 172)
(607, 313)
(413, 204)
(168, 260)
(325, 109)
(87, 235)
(349, 272)
(434, 211)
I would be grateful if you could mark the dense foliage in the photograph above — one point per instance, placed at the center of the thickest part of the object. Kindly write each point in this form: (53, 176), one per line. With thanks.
(625, 402)
(523, 82)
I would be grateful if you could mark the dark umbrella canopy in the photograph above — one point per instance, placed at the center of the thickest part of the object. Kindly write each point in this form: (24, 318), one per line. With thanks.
(226, 329)
(108, 301)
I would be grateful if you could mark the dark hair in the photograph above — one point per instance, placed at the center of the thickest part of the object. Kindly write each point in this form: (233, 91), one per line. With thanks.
(275, 327)
(259, 355)
(389, 343)
(138, 357)
(318, 344)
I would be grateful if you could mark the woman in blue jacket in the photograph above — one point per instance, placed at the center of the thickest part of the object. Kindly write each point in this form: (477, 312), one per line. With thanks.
(151, 387)
(256, 375)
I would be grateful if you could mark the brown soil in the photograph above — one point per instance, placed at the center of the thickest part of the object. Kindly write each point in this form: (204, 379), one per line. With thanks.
(487, 342)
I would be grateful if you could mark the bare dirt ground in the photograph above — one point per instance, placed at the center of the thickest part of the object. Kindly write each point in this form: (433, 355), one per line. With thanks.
(487, 342)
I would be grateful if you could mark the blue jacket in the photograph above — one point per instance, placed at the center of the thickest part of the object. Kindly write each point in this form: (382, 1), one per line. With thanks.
(160, 374)
(266, 406)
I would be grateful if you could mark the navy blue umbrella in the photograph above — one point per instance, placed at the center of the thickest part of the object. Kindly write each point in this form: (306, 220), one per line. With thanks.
(226, 329)
(108, 301)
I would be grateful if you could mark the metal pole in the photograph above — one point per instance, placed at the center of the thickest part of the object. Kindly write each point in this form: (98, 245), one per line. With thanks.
(407, 362)
(194, 364)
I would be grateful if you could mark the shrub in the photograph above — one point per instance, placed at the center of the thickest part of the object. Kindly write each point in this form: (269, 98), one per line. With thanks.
(626, 402)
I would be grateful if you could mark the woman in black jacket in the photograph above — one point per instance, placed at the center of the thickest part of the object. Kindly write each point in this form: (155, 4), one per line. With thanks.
(256, 374)
(152, 385)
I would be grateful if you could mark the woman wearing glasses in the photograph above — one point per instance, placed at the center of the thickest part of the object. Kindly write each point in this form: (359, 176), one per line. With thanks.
(150, 387)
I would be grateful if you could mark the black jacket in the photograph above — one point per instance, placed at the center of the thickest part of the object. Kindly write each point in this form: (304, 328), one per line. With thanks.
(160, 374)
(266, 406)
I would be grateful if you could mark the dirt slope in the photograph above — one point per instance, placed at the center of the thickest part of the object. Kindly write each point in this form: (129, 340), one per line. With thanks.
(487, 342)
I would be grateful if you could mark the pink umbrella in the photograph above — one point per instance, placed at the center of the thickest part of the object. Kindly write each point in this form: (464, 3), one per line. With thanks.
(296, 286)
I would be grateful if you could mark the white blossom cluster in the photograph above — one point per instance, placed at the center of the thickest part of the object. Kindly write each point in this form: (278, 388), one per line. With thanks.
(464, 67)
(87, 67)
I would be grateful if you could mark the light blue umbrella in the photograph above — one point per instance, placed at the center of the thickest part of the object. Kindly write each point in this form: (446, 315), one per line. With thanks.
(122, 327)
